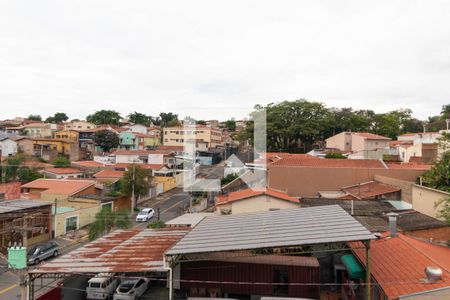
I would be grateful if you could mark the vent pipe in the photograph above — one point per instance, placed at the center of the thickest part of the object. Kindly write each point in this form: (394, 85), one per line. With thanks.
(392, 223)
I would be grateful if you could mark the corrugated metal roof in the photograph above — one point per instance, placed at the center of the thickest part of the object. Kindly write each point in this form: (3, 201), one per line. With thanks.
(191, 219)
(19, 204)
(121, 251)
(289, 227)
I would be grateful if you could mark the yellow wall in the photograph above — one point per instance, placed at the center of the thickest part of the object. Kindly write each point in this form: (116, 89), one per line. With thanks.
(168, 182)
(67, 134)
(85, 216)
(424, 200)
(259, 203)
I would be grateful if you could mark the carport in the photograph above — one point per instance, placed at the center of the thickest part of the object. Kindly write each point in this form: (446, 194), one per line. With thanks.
(246, 238)
(125, 252)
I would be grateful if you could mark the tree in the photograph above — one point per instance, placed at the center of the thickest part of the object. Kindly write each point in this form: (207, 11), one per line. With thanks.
(201, 122)
(335, 155)
(107, 220)
(36, 118)
(229, 178)
(393, 123)
(61, 162)
(168, 119)
(138, 179)
(438, 177)
(104, 117)
(230, 125)
(106, 140)
(13, 163)
(157, 224)
(139, 118)
(27, 174)
(57, 118)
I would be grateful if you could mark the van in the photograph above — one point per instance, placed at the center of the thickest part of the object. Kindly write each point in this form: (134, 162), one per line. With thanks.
(101, 286)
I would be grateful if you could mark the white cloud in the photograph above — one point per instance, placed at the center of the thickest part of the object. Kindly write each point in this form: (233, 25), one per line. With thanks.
(211, 59)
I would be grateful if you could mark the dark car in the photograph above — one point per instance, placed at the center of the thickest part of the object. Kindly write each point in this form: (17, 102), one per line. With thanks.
(40, 252)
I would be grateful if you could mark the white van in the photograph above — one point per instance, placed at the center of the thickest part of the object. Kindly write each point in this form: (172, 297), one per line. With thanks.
(101, 286)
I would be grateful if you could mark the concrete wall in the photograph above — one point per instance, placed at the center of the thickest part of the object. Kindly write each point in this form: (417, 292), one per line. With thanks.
(406, 186)
(307, 181)
(8, 147)
(85, 216)
(339, 141)
(424, 199)
(259, 203)
(168, 182)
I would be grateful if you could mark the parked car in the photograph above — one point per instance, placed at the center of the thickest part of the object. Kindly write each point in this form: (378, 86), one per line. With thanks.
(101, 286)
(40, 252)
(145, 215)
(131, 289)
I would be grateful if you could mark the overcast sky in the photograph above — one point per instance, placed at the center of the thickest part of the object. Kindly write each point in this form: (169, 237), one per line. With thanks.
(215, 60)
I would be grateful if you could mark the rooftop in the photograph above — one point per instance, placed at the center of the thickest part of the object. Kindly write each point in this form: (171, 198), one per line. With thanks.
(371, 136)
(250, 193)
(109, 174)
(59, 186)
(398, 264)
(60, 171)
(295, 161)
(289, 227)
(7, 206)
(122, 251)
(190, 219)
(370, 189)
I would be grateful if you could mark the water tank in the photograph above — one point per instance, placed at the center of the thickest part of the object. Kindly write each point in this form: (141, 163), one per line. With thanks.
(433, 273)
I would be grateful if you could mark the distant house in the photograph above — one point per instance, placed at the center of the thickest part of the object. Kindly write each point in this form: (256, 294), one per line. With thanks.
(25, 145)
(357, 141)
(51, 189)
(175, 136)
(62, 173)
(8, 147)
(249, 200)
(417, 147)
(10, 190)
(370, 190)
(49, 148)
(108, 175)
(68, 134)
(38, 130)
(79, 125)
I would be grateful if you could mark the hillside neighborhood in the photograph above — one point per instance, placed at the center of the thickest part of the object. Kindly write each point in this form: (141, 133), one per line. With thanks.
(178, 209)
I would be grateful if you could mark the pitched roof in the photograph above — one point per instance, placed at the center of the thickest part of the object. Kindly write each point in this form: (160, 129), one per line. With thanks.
(282, 228)
(249, 193)
(370, 189)
(88, 163)
(370, 136)
(19, 204)
(144, 166)
(61, 171)
(398, 264)
(141, 152)
(10, 190)
(59, 186)
(109, 174)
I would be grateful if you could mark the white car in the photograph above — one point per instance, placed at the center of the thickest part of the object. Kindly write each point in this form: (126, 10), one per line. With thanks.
(131, 289)
(145, 215)
(101, 286)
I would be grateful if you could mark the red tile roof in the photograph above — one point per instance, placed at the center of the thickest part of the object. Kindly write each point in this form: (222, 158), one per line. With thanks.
(141, 152)
(60, 186)
(413, 134)
(416, 166)
(398, 264)
(144, 166)
(370, 190)
(249, 193)
(109, 174)
(10, 190)
(173, 148)
(371, 136)
(88, 163)
(61, 171)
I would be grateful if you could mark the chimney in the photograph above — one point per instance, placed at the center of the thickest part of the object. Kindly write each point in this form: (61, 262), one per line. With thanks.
(392, 223)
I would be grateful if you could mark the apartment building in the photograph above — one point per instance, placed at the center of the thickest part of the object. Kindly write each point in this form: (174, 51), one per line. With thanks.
(175, 136)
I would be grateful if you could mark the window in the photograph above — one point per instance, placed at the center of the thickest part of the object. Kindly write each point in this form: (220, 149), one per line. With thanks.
(71, 223)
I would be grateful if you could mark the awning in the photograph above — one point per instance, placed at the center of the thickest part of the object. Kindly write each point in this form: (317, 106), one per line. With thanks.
(353, 267)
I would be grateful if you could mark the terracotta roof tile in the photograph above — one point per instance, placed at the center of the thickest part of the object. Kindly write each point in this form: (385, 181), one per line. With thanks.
(60, 171)
(371, 136)
(370, 190)
(249, 193)
(398, 264)
(109, 174)
(88, 163)
(59, 186)
(329, 163)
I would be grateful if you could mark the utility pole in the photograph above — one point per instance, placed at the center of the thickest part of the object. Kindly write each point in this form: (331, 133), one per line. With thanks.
(133, 204)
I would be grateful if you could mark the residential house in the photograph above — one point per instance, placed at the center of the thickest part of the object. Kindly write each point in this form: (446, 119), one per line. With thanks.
(68, 134)
(305, 177)
(154, 157)
(249, 200)
(108, 176)
(25, 145)
(79, 125)
(175, 136)
(49, 148)
(357, 141)
(62, 173)
(402, 267)
(34, 216)
(38, 130)
(55, 189)
(417, 147)
(8, 147)
(136, 128)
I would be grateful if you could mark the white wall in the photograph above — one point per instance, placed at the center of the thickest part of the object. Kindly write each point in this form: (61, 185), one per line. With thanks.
(8, 147)
(157, 159)
(127, 158)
